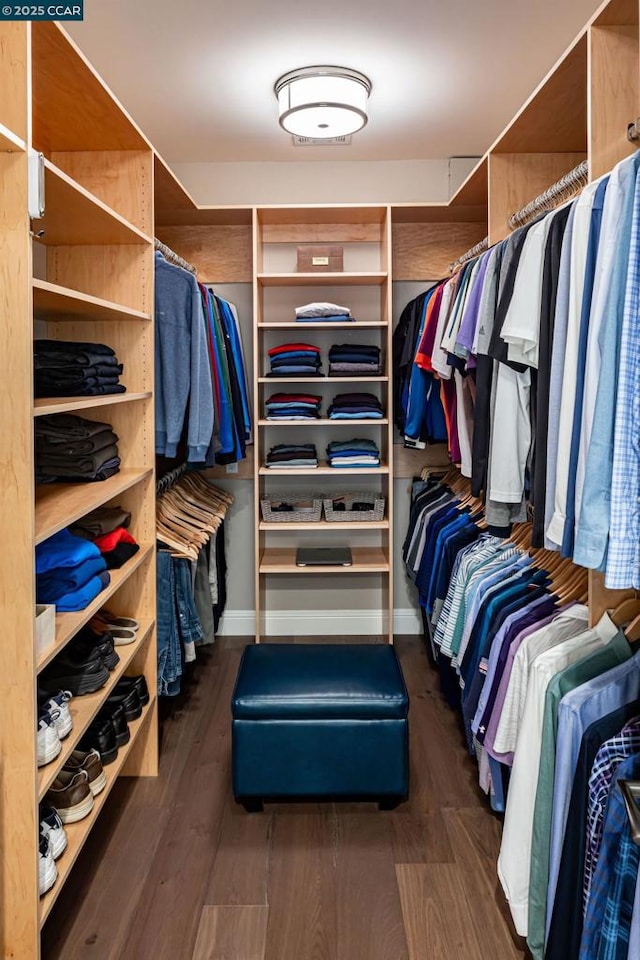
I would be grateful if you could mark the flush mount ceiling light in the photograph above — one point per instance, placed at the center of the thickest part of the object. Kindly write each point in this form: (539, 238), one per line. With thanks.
(322, 101)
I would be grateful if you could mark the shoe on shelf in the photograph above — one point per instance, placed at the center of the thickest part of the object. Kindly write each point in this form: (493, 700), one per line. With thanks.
(122, 635)
(113, 620)
(89, 761)
(115, 713)
(53, 827)
(101, 736)
(138, 683)
(48, 740)
(130, 701)
(80, 674)
(47, 870)
(58, 706)
(88, 642)
(71, 795)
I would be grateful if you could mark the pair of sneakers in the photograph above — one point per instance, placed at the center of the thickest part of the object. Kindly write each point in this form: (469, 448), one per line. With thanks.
(53, 843)
(54, 724)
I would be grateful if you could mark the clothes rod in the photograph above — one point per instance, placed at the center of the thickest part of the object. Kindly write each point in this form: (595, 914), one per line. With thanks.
(474, 251)
(633, 132)
(172, 257)
(565, 188)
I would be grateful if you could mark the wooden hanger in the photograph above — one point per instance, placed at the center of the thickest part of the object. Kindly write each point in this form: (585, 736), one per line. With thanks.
(628, 610)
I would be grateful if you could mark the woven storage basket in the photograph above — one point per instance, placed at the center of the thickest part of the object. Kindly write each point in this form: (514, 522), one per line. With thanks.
(307, 509)
(364, 516)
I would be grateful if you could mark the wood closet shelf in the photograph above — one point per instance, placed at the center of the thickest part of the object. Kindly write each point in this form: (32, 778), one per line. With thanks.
(323, 379)
(74, 217)
(10, 142)
(77, 833)
(354, 424)
(325, 525)
(365, 560)
(68, 624)
(59, 504)
(43, 406)
(373, 278)
(84, 709)
(322, 470)
(320, 325)
(53, 302)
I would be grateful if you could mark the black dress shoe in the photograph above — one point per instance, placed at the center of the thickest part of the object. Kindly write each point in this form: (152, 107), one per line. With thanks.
(138, 683)
(78, 673)
(101, 736)
(129, 700)
(115, 713)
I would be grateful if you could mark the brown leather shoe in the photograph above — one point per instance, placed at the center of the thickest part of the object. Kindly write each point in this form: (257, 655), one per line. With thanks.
(70, 795)
(89, 761)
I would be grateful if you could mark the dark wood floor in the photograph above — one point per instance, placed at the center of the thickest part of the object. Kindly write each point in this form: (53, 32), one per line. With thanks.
(175, 870)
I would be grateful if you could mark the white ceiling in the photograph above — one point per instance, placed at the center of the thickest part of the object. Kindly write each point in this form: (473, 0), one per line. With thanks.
(447, 75)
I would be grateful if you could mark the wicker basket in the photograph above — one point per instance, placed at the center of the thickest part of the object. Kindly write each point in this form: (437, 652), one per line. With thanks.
(306, 509)
(364, 516)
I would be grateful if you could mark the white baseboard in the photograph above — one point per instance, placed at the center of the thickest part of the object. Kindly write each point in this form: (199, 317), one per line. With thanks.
(314, 623)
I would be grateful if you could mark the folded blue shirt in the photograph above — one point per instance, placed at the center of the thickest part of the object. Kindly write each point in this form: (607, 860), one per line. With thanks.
(63, 549)
(79, 599)
(51, 586)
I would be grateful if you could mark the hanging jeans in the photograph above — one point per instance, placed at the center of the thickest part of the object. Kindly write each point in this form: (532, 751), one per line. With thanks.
(189, 628)
(169, 652)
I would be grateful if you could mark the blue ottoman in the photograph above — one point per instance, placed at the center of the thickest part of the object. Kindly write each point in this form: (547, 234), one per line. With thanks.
(319, 721)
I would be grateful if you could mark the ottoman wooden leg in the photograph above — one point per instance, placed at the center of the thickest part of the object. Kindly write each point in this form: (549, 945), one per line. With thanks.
(252, 804)
(390, 803)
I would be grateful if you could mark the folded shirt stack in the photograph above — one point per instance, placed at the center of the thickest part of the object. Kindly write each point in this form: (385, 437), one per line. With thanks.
(106, 528)
(354, 360)
(326, 312)
(355, 406)
(293, 406)
(289, 455)
(66, 368)
(353, 453)
(70, 448)
(70, 572)
(295, 360)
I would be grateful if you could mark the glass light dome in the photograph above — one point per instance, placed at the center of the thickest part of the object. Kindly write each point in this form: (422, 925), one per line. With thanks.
(322, 102)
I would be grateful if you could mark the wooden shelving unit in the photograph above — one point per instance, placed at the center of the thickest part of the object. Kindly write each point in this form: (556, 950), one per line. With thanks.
(95, 282)
(77, 833)
(365, 287)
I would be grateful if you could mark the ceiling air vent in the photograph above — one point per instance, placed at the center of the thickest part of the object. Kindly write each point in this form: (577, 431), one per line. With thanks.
(321, 141)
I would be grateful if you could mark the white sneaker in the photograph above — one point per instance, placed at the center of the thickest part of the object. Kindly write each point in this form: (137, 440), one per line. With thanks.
(58, 707)
(49, 745)
(47, 870)
(52, 827)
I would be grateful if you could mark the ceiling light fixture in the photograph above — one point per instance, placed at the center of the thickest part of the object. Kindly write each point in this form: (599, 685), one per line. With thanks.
(322, 102)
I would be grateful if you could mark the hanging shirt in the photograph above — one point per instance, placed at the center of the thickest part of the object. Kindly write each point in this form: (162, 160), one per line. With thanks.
(514, 862)
(623, 560)
(579, 249)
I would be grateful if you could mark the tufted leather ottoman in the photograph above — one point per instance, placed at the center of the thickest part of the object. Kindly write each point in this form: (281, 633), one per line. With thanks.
(320, 721)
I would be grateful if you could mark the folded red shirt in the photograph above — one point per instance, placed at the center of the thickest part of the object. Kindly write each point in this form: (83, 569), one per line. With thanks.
(107, 542)
(288, 347)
